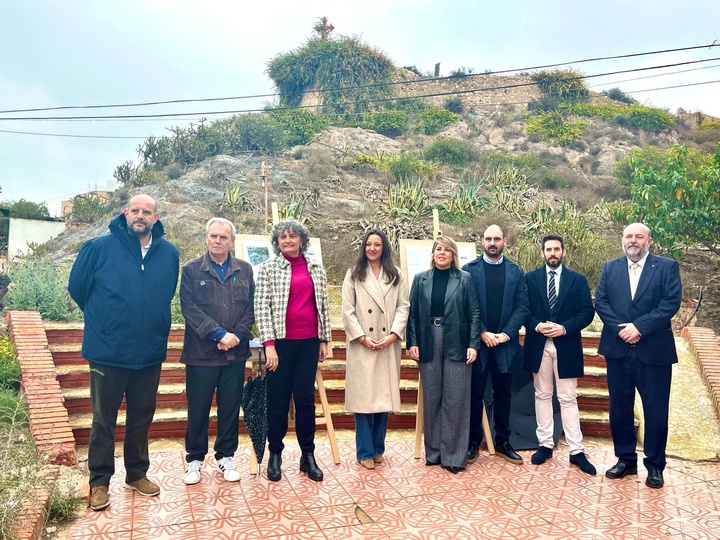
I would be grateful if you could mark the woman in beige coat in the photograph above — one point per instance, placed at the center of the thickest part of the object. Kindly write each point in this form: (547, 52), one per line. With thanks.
(375, 310)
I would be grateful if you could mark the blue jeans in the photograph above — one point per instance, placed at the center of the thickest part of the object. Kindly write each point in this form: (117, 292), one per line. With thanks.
(370, 432)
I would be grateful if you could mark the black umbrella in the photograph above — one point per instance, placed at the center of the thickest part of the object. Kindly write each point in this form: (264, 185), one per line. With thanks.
(254, 406)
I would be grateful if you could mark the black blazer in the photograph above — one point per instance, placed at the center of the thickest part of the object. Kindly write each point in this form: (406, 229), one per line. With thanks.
(515, 310)
(657, 300)
(574, 311)
(461, 327)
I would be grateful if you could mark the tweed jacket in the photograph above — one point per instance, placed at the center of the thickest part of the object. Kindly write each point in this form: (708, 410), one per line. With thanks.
(272, 291)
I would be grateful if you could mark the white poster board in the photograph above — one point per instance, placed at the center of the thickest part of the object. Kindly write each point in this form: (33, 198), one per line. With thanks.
(257, 248)
(415, 256)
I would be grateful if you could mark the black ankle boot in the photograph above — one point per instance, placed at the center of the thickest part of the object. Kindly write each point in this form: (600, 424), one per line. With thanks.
(309, 465)
(273, 469)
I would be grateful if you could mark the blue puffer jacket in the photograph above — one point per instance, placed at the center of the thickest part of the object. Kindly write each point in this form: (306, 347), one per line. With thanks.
(125, 298)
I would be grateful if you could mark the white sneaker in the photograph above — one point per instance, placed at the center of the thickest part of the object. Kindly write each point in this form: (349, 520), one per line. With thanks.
(192, 474)
(227, 467)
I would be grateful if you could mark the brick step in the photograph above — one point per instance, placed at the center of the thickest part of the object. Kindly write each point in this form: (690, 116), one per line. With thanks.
(593, 398)
(170, 423)
(594, 376)
(595, 423)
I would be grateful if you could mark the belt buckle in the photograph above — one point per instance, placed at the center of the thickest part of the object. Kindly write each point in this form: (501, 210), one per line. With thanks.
(437, 321)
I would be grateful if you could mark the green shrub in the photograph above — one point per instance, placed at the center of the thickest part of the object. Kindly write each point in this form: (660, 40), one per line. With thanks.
(391, 123)
(448, 151)
(564, 84)
(454, 105)
(407, 198)
(256, 132)
(654, 157)
(349, 72)
(464, 204)
(405, 166)
(298, 125)
(528, 163)
(9, 366)
(552, 126)
(630, 116)
(408, 104)
(618, 95)
(433, 120)
(461, 72)
(88, 208)
(709, 124)
(36, 285)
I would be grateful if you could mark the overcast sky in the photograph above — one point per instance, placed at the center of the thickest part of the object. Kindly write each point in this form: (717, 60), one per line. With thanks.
(76, 52)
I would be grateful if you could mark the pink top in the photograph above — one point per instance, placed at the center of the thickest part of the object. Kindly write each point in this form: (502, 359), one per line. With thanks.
(302, 315)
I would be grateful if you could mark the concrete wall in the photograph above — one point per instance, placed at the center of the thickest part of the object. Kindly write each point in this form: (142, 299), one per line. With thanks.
(24, 231)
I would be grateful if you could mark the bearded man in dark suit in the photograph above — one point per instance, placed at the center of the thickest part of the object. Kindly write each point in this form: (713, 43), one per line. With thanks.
(560, 307)
(636, 299)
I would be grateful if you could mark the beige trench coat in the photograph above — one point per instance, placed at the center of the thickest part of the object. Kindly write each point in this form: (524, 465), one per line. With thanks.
(373, 308)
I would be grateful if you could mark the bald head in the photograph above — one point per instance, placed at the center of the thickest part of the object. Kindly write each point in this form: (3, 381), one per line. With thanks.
(141, 214)
(493, 242)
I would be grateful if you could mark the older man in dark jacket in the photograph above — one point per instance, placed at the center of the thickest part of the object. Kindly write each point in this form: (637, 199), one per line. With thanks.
(124, 283)
(216, 295)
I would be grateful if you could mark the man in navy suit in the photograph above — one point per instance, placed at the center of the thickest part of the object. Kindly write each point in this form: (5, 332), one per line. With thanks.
(560, 307)
(502, 294)
(636, 298)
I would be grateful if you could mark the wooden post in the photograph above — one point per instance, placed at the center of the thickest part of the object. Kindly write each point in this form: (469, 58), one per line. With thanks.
(275, 213)
(327, 416)
(265, 175)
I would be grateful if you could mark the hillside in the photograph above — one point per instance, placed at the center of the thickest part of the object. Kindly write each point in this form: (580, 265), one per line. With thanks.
(341, 193)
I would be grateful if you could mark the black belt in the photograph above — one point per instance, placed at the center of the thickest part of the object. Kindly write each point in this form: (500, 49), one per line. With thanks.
(437, 321)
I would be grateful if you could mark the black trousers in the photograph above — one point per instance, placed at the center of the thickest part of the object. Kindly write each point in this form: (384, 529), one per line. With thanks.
(295, 375)
(108, 385)
(201, 383)
(501, 388)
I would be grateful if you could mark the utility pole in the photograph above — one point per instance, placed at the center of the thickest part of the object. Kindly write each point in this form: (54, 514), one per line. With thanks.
(265, 175)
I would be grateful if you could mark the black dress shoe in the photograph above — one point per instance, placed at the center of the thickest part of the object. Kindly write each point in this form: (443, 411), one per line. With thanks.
(431, 463)
(452, 469)
(580, 460)
(473, 451)
(507, 452)
(655, 479)
(541, 456)
(309, 465)
(620, 470)
(274, 473)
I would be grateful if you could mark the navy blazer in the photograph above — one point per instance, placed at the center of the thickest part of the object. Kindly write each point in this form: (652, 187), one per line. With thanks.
(514, 312)
(574, 310)
(461, 325)
(657, 300)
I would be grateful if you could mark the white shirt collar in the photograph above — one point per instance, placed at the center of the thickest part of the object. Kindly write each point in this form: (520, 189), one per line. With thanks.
(641, 262)
(499, 261)
(558, 270)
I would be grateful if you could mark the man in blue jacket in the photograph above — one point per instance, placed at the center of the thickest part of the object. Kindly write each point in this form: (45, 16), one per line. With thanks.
(503, 296)
(124, 282)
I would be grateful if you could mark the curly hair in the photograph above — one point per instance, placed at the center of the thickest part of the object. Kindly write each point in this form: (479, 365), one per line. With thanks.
(290, 226)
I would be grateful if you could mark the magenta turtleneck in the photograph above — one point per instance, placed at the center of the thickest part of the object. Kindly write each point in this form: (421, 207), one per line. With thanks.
(302, 315)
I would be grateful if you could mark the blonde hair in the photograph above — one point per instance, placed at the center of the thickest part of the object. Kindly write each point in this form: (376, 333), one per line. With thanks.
(449, 244)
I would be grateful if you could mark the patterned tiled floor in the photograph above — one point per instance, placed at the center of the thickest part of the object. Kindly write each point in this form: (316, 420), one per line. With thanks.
(404, 499)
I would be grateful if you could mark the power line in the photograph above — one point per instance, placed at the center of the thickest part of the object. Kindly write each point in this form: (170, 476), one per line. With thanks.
(377, 100)
(504, 103)
(340, 88)
(654, 76)
(70, 136)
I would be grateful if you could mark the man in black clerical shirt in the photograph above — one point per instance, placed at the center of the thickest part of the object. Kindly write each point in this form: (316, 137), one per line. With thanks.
(502, 293)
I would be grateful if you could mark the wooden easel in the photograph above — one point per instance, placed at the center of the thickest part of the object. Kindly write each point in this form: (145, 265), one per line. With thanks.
(419, 416)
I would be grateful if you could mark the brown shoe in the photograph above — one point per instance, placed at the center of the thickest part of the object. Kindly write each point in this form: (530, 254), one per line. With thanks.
(143, 487)
(99, 498)
(378, 458)
(367, 463)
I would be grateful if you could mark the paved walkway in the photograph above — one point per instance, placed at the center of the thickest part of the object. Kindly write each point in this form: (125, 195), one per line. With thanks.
(404, 499)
